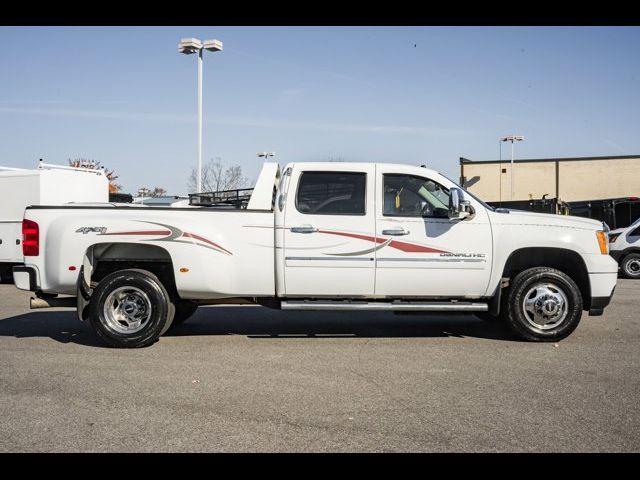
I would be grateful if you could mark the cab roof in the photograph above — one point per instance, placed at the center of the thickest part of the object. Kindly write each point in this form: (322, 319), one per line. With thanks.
(359, 166)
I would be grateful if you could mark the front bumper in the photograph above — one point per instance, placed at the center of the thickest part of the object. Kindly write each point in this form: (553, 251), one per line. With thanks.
(603, 275)
(602, 287)
(598, 304)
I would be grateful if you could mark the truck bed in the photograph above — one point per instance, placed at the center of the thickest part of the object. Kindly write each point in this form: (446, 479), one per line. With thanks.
(237, 243)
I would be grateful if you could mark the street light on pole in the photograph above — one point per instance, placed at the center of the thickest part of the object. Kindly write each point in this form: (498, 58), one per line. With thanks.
(512, 139)
(189, 46)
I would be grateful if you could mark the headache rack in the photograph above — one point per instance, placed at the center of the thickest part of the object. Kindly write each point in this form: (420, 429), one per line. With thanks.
(238, 199)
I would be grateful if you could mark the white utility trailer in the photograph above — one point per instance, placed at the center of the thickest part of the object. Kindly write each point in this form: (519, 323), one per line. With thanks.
(45, 185)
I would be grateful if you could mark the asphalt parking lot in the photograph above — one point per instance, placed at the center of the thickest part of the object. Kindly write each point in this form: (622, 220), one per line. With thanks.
(253, 379)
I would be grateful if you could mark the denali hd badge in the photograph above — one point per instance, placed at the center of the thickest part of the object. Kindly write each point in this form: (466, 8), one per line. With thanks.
(85, 230)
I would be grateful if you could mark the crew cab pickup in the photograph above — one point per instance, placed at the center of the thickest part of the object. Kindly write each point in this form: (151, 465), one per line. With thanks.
(318, 236)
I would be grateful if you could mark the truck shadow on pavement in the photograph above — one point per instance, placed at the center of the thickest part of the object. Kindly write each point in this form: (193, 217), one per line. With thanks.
(263, 323)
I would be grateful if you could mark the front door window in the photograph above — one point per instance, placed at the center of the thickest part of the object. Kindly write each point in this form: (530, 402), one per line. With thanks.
(411, 196)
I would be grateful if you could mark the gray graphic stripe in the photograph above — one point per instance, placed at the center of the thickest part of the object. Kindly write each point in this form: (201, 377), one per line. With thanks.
(472, 260)
(363, 252)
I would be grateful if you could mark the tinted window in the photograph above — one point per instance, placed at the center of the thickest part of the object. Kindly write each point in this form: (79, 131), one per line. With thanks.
(635, 233)
(331, 193)
(409, 196)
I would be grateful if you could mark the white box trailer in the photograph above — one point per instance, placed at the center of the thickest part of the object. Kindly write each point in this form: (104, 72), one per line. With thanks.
(46, 185)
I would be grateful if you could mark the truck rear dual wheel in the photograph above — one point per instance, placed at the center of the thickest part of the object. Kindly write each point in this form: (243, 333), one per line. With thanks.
(131, 309)
(542, 304)
(631, 265)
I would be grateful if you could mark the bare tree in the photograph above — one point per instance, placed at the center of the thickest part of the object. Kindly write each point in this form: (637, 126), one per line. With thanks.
(155, 192)
(217, 177)
(94, 165)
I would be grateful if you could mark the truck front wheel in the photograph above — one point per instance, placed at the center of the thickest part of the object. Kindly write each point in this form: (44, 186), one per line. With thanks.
(543, 305)
(130, 309)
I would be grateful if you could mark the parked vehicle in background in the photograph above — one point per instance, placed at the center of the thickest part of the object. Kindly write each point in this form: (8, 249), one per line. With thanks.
(615, 212)
(625, 249)
(174, 201)
(319, 236)
(48, 185)
(117, 197)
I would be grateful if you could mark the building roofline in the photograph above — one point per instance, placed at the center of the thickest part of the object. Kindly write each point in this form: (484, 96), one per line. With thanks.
(464, 161)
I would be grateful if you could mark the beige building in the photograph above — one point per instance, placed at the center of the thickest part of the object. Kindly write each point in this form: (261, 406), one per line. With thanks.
(567, 179)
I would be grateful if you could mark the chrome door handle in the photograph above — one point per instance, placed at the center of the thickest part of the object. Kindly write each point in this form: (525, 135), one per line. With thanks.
(395, 231)
(304, 229)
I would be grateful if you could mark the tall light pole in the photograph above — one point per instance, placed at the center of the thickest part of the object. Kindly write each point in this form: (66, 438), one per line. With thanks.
(512, 139)
(189, 46)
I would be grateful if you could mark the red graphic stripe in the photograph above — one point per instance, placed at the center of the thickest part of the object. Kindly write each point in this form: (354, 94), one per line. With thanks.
(413, 247)
(398, 245)
(147, 232)
(202, 239)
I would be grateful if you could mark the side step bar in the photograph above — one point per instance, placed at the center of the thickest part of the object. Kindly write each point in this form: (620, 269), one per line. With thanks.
(384, 306)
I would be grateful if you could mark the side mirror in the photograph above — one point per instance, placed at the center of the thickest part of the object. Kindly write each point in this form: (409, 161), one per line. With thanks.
(458, 206)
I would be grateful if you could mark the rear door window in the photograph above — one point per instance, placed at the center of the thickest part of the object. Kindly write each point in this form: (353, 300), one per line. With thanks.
(332, 193)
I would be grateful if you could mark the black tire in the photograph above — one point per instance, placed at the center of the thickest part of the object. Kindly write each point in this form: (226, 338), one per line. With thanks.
(549, 288)
(144, 292)
(630, 265)
(184, 310)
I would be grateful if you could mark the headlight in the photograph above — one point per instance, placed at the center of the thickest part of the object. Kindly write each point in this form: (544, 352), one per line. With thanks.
(603, 242)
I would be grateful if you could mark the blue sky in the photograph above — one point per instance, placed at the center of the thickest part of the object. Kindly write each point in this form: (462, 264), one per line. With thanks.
(126, 97)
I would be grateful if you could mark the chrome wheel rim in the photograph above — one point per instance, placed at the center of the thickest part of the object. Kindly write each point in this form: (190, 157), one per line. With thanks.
(633, 267)
(127, 310)
(545, 306)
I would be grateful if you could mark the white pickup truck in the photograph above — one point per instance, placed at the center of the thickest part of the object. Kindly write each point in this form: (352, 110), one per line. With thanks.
(318, 236)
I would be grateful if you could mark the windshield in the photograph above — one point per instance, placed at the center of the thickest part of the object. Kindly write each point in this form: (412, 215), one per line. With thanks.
(469, 193)
(635, 224)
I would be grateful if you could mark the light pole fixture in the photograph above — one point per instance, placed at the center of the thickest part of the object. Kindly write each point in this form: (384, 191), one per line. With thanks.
(512, 139)
(266, 155)
(189, 46)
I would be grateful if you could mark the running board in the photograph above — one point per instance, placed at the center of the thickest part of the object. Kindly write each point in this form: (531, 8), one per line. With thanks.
(384, 306)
